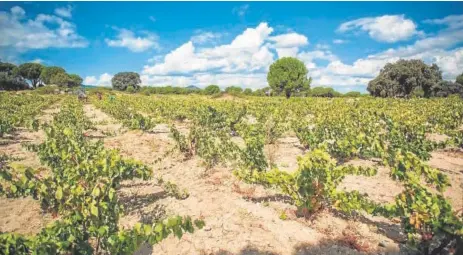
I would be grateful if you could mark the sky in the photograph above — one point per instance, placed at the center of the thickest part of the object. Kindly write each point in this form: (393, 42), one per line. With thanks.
(343, 44)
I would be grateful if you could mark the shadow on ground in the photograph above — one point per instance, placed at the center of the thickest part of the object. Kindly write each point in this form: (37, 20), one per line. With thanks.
(328, 247)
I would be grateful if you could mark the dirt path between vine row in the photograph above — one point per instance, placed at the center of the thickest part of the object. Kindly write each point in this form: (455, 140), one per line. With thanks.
(240, 218)
(23, 215)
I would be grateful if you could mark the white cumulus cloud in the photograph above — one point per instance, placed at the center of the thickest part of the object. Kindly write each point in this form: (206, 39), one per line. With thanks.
(387, 28)
(289, 40)
(102, 80)
(452, 21)
(205, 37)
(127, 39)
(247, 52)
(65, 12)
(45, 31)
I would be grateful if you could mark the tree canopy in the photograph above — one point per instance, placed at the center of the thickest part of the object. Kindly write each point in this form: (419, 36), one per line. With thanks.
(122, 80)
(353, 94)
(447, 88)
(288, 75)
(48, 72)
(211, 90)
(234, 90)
(60, 79)
(247, 91)
(7, 67)
(9, 80)
(324, 92)
(31, 72)
(459, 79)
(75, 80)
(401, 78)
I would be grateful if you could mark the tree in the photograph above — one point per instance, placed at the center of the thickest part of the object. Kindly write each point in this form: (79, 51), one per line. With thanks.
(247, 91)
(60, 79)
(447, 88)
(353, 94)
(48, 73)
(401, 78)
(8, 79)
(7, 67)
(288, 75)
(324, 92)
(234, 90)
(122, 80)
(75, 80)
(459, 79)
(212, 89)
(11, 82)
(31, 72)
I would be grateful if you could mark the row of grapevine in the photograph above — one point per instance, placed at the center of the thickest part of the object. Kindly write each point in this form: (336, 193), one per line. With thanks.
(129, 118)
(82, 190)
(21, 110)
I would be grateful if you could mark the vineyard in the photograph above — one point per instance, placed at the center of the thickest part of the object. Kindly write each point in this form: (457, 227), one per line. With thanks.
(193, 174)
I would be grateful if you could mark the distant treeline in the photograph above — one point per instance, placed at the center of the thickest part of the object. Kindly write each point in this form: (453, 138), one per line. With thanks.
(33, 75)
(215, 90)
(404, 79)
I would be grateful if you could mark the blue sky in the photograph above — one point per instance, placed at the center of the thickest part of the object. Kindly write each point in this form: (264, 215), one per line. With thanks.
(343, 44)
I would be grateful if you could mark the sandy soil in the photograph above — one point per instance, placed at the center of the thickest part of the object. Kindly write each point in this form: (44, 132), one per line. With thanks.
(22, 215)
(105, 125)
(451, 163)
(380, 188)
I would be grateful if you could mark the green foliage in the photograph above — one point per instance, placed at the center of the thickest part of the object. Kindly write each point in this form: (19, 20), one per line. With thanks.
(313, 185)
(447, 88)
(9, 80)
(247, 91)
(7, 67)
(21, 110)
(75, 80)
(12, 82)
(209, 137)
(60, 79)
(324, 92)
(401, 78)
(212, 90)
(167, 90)
(459, 79)
(130, 118)
(426, 217)
(48, 72)
(234, 90)
(123, 80)
(31, 72)
(353, 94)
(288, 75)
(252, 156)
(131, 90)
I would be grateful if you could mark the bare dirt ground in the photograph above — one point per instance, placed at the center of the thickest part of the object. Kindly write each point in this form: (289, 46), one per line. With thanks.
(248, 219)
(22, 215)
